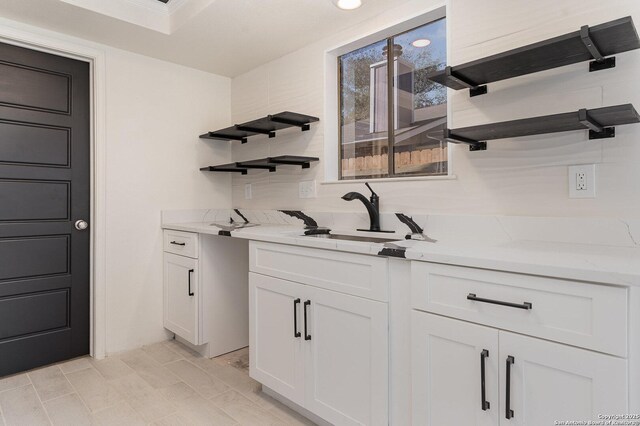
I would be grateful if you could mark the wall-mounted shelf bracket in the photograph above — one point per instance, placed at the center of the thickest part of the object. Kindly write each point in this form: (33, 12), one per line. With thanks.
(303, 125)
(474, 145)
(225, 137)
(478, 90)
(607, 132)
(600, 62)
(233, 168)
(257, 165)
(596, 130)
(304, 162)
(249, 129)
(474, 88)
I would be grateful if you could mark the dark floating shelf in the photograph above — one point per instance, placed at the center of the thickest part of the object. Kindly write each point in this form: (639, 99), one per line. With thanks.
(262, 126)
(269, 163)
(589, 43)
(598, 121)
(293, 160)
(232, 167)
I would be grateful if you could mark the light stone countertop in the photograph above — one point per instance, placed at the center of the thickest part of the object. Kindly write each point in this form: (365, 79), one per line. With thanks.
(581, 262)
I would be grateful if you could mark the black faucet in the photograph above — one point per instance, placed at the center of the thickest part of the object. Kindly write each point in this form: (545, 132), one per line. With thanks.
(372, 205)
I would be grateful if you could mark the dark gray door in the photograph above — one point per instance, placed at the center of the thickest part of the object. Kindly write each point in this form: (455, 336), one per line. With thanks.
(44, 190)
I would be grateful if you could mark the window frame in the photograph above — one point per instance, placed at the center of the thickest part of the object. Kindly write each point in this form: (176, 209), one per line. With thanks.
(388, 36)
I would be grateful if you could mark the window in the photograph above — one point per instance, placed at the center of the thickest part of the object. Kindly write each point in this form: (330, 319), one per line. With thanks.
(397, 130)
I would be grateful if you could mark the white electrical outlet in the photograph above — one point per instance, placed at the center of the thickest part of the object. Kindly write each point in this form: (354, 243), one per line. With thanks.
(582, 181)
(248, 191)
(307, 189)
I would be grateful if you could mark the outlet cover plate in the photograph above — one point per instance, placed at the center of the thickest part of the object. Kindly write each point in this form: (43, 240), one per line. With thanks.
(248, 191)
(307, 189)
(582, 176)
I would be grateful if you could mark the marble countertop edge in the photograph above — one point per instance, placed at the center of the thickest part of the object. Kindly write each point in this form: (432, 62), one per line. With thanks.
(579, 262)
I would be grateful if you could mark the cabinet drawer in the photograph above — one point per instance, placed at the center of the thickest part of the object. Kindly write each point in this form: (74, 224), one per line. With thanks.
(182, 243)
(356, 274)
(581, 314)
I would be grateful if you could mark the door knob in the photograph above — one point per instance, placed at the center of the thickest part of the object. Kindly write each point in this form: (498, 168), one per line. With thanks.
(81, 225)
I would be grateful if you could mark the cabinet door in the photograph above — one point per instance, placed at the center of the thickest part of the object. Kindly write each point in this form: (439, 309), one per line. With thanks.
(346, 358)
(181, 297)
(551, 382)
(447, 360)
(276, 357)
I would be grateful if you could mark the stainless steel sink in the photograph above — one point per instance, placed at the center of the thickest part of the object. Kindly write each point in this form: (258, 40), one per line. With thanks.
(362, 238)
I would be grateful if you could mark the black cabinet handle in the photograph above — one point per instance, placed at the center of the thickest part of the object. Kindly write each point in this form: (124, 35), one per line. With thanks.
(190, 292)
(177, 243)
(484, 403)
(508, 411)
(525, 305)
(296, 333)
(307, 336)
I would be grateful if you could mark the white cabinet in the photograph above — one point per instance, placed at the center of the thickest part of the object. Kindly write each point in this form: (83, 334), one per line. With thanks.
(182, 297)
(323, 350)
(551, 382)
(205, 293)
(527, 381)
(346, 358)
(448, 357)
(275, 345)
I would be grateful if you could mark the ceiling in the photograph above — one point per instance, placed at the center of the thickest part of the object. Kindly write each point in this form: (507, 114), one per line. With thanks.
(226, 37)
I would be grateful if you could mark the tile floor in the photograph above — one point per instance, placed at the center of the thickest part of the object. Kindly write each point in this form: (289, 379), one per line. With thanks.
(161, 384)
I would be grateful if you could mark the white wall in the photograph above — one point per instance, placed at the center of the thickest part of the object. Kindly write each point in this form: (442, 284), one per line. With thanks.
(155, 112)
(526, 176)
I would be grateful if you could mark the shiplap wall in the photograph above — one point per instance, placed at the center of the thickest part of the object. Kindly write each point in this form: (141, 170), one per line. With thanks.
(526, 176)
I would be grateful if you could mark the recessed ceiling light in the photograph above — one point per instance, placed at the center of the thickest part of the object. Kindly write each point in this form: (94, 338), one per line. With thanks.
(421, 42)
(348, 4)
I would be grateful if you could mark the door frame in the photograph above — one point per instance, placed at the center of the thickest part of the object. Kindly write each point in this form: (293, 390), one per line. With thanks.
(15, 33)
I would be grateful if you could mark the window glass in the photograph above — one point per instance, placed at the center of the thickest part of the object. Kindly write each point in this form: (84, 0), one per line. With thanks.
(364, 140)
(418, 107)
(420, 104)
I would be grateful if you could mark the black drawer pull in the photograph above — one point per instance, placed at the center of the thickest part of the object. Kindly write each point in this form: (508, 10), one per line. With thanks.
(526, 305)
(508, 411)
(307, 336)
(296, 333)
(484, 403)
(190, 292)
(177, 243)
